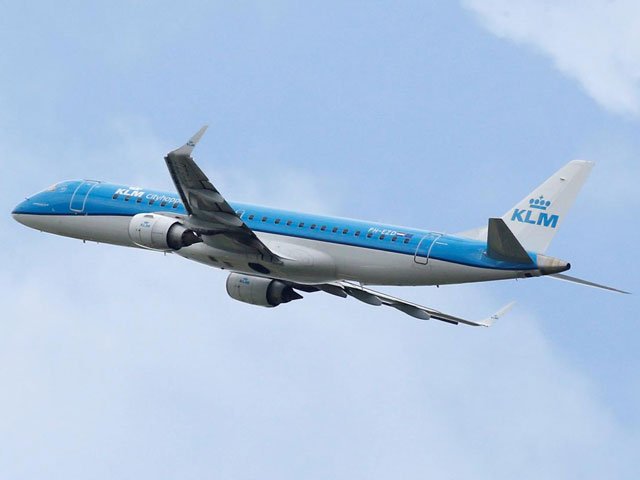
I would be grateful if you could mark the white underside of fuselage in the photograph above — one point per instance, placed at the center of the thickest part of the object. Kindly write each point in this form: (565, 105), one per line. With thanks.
(306, 261)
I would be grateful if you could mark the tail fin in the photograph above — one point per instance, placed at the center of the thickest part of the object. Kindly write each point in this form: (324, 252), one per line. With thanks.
(535, 220)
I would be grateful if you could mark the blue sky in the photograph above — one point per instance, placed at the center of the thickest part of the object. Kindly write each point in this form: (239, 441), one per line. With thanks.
(120, 363)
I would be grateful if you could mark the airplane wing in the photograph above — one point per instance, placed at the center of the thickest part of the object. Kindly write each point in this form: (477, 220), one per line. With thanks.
(372, 297)
(209, 212)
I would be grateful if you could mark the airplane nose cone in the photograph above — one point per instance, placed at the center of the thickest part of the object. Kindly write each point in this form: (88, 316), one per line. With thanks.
(18, 217)
(19, 212)
(550, 265)
(21, 207)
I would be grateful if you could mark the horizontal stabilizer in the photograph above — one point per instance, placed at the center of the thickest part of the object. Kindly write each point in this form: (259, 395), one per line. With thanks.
(503, 245)
(568, 278)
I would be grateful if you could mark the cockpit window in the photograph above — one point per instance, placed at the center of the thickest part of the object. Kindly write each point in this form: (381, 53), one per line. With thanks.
(67, 185)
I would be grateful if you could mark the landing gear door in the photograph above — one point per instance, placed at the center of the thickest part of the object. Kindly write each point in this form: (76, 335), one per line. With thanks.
(423, 252)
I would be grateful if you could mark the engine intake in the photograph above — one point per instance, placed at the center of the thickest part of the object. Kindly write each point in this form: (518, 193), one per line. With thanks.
(158, 232)
(260, 291)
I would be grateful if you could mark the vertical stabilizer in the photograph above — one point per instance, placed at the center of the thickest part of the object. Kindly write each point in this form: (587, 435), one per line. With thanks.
(537, 217)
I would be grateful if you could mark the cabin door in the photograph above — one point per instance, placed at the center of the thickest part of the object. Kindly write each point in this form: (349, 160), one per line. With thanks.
(423, 252)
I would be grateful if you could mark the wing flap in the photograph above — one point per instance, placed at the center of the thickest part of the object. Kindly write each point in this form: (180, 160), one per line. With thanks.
(421, 312)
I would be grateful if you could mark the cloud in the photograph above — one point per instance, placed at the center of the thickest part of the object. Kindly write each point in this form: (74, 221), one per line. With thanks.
(127, 373)
(596, 42)
(132, 152)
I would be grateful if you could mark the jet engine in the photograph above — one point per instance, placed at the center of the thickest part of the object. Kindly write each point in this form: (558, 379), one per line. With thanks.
(260, 291)
(158, 232)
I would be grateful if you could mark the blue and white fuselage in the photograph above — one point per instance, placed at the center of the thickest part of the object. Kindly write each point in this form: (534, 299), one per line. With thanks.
(321, 248)
(274, 254)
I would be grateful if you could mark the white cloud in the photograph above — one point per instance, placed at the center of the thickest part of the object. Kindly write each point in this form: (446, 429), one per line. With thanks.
(281, 186)
(132, 152)
(137, 153)
(597, 42)
(154, 370)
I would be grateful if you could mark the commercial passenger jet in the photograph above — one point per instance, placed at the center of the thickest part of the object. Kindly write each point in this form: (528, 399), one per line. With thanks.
(274, 254)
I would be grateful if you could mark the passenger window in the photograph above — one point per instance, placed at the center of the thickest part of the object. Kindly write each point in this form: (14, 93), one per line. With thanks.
(152, 201)
(394, 238)
(127, 198)
(358, 233)
(301, 224)
(334, 229)
(115, 195)
(277, 221)
(406, 240)
(163, 203)
(382, 236)
(139, 200)
(289, 222)
(323, 228)
(264, 219)
(313, 226)
(344, 232)
(369, 235)
(252, 216)
(175, 205)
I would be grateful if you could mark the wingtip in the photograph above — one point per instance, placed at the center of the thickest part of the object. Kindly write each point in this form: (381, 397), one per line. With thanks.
(199, 133)
(188, 147)
(499, 314)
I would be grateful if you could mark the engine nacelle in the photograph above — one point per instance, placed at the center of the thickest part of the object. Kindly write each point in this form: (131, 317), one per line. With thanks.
(264, 292)
(158, 232)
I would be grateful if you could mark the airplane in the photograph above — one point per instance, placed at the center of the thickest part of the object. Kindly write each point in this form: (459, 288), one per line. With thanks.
(273, 255)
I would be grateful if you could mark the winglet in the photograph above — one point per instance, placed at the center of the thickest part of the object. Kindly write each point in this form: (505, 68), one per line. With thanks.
(188, 147)
(500, 313)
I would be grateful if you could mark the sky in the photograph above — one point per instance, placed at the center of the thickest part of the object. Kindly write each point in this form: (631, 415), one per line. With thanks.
(117, 363)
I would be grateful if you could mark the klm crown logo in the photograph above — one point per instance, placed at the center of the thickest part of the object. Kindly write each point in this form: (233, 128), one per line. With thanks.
(539, 203)
(536, 214)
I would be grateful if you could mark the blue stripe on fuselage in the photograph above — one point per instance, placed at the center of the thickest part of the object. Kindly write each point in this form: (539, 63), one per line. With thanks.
(131, 201)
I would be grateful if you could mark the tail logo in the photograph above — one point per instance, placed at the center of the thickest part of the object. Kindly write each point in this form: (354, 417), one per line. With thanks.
(536, 213)
(539, 203)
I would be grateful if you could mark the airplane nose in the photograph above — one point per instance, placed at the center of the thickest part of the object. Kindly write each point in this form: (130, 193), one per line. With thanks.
(18, 218)
(19, 211)
(550, 265)
(21, 207)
